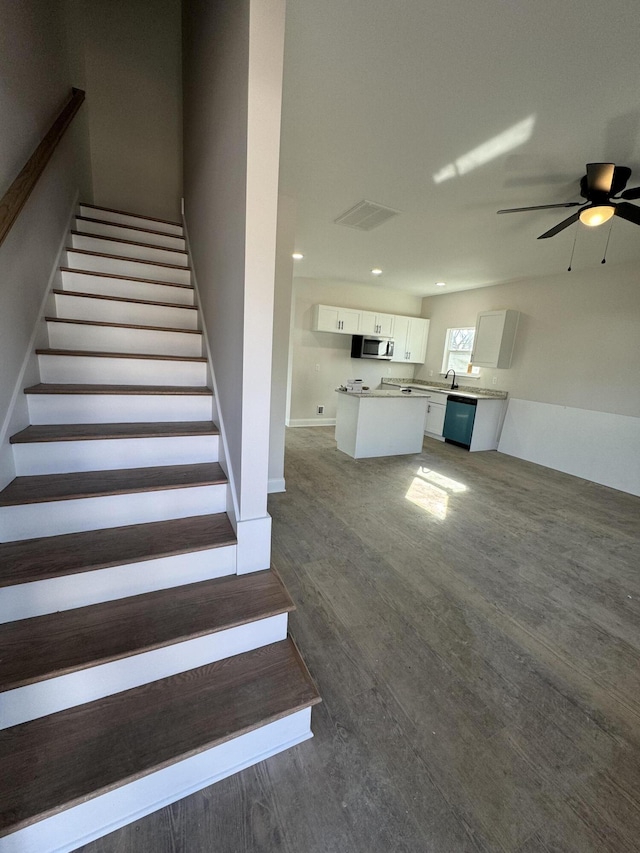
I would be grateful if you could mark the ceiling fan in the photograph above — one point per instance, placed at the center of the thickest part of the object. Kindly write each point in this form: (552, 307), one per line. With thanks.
(603, 182)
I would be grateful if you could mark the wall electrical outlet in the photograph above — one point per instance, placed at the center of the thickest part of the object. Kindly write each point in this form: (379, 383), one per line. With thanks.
(494, 381)
(317, 368)
(431, 373)
(321, 410)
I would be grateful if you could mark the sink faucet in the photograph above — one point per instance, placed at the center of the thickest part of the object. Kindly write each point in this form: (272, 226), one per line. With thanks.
(453, 382)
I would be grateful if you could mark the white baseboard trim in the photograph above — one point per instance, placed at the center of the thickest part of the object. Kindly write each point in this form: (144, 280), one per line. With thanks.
(597, 446)
(78, 825)
(276, 484)
(311, 422)
(254, 545)
(232, 508)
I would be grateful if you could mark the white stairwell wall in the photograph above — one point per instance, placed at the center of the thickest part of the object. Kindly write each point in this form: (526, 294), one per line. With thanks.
(233, 53)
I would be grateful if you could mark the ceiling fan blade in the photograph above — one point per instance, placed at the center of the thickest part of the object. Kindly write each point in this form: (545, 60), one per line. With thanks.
(562, 225)
(632, 193)
(600, 177)
(629, 212)
(542, 207)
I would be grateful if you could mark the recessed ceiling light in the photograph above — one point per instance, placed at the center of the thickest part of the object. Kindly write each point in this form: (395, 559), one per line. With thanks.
(441, 283)
(376, 271)
(297, 256)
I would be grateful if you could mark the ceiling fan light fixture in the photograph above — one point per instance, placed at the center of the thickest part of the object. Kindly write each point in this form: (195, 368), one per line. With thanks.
(596, 214)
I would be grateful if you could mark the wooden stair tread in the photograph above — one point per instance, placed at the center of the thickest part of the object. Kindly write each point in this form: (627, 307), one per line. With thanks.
(123, 325)
(95, 748)
(123, 299)
(172, 390)
(110, 222)
(30, 560)
(140, 355)
(128, 242)
(70, 249)
(134, 215)
(42, 488)
(48, 646)
(124, 277)
(92, 432)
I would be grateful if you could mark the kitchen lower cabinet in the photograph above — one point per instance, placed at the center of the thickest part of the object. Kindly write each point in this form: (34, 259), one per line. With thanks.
(434, 422)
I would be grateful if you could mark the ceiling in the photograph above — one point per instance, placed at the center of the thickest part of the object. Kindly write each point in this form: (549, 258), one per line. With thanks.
(380, 96)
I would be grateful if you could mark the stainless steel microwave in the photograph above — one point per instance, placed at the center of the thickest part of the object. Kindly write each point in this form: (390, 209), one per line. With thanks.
(363, 346)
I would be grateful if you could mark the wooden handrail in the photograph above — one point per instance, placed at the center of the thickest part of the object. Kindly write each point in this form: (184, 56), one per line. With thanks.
(16, 196)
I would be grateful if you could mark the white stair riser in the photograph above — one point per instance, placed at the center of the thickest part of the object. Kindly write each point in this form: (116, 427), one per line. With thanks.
(87, 685)
(76, 826)
(126, 288)
(113, 311)
(24, 601)
(28, 521)
(130, 219)
(118, 408)
(128, 250)
(117, 339)
(105, 229)
(65, 457)
(97, 263)
(120, 371)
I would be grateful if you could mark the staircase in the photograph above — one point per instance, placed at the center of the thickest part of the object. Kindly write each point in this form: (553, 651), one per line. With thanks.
(136, 666)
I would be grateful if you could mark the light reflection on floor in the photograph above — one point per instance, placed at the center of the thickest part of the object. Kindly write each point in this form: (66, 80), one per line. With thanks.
(430, 491)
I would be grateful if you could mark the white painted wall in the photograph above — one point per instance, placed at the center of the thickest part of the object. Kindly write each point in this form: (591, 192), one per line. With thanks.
(332, 353)
(281, 339)
(232, 95)
(576, 338)
(575, 357)
(36, 75)
(132, 56)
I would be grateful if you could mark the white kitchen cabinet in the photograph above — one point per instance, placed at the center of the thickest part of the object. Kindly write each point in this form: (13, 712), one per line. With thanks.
(373, 323)
(436, 409)
(494, 338)
(410, 336)
(344, 321)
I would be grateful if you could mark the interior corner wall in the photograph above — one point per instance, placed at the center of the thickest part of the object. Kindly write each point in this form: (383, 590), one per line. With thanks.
(36, 83)
(322, 360)
(132, 60)
(233, 53)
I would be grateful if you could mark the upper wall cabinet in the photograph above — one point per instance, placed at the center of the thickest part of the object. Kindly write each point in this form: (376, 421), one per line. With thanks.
(494, 338)
(410, 337)
(344, 321)
(377, 324)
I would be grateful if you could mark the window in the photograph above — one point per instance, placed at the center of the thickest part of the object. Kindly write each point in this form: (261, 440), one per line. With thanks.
(458, 346)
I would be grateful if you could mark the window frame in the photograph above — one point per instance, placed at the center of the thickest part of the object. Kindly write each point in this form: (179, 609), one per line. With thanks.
(446, 355)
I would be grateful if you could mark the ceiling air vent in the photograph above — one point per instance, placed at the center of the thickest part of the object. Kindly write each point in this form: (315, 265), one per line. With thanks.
(365, 215)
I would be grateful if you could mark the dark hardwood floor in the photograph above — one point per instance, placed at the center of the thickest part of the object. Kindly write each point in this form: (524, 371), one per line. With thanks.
(472, 622)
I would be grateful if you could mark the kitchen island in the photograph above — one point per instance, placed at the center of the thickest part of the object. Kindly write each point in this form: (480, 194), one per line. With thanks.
(380, 423)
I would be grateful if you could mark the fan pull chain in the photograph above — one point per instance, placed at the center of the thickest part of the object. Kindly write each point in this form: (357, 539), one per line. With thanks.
(604, 257)
(575, 237)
